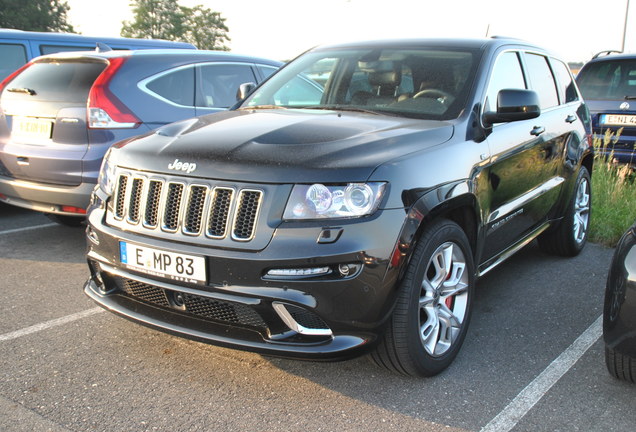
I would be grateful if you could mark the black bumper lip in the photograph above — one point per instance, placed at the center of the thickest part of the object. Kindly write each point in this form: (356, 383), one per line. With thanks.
(338, 347)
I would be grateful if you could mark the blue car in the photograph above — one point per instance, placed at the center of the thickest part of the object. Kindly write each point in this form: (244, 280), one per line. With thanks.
(61, 112)
(608, 85)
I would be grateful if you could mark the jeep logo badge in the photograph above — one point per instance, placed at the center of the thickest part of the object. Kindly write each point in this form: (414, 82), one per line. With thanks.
(187, 167)
(624, 106)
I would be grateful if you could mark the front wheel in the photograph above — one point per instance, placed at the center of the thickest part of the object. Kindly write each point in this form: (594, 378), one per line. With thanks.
(570, 236)
(431, 317)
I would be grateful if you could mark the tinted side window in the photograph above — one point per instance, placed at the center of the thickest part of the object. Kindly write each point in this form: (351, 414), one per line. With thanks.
(54, 81)
(266, 71)
(218, 84)
(567, 88)
(51, 49)
(176, 86)
(507, 74)
(12, 56)
(542, 80)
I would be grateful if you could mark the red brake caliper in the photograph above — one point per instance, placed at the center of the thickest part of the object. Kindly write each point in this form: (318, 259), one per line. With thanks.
(450, 300)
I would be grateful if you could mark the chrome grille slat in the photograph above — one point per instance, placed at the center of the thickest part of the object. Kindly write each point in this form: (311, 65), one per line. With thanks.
(178, 206)
(219, 212)
(153, 198)
(172, 207)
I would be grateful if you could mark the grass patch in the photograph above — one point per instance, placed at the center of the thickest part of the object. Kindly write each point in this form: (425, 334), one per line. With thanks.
(613, 196)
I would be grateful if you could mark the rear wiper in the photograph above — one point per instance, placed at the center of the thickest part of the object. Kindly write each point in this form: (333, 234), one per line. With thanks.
(22, 90)
(630, 97)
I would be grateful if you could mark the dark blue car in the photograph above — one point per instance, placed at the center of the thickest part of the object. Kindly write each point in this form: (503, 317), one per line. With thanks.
(608, 84)
(61, 112)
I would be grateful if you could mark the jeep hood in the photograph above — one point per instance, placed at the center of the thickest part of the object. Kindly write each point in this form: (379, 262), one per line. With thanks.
(280, 146)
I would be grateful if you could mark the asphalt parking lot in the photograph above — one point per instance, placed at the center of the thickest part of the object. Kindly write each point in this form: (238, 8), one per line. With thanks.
(532, 360)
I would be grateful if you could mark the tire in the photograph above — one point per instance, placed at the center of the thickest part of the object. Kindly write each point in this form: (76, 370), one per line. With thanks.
(69, 221)
(570, 235)
(433, 309)
(620, 366)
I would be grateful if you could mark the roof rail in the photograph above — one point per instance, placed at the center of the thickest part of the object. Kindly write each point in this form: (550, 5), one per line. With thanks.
(606, 52)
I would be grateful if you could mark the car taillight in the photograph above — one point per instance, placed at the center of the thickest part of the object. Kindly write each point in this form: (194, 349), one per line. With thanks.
(105, 110)
(8, 79)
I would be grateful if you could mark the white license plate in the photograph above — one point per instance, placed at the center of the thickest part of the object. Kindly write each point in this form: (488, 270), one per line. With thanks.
(618, 119)
(171, 265)
(31, 128)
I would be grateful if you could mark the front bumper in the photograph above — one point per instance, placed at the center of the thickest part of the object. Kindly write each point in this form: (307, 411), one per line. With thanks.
(319, 318)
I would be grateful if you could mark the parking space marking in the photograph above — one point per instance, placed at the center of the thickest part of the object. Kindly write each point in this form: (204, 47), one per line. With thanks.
(16, 230)
(529, 396)
(49, 324)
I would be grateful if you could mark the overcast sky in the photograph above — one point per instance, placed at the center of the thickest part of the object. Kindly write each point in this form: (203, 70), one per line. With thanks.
(282, 29)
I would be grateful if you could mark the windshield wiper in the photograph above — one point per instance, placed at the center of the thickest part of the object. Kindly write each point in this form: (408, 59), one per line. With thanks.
(341, 108)
(630, 97)
(22, 90)
(259, 107)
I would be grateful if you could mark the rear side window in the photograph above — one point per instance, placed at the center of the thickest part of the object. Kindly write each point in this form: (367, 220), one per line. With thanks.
(56, 81)
(542, 80)
(218, 84)
(176, 86)
(51, 49)
(612, 80)
(12, 56)
(566, 86)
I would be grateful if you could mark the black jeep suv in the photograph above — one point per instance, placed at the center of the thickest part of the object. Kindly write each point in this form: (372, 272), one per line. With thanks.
(349, 203)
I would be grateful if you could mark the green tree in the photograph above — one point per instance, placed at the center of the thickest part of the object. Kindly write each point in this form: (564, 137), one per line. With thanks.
(35, 15)
(166, 19)
(205, 29)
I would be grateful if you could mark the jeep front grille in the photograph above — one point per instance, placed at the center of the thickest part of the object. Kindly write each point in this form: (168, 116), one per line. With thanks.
(190, 208)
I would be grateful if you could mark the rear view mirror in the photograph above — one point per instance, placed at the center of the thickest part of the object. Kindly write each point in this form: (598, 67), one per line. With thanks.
(514, 105)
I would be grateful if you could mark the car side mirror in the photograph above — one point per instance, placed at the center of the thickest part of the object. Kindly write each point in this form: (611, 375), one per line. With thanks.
(244, 90)
(514, 105)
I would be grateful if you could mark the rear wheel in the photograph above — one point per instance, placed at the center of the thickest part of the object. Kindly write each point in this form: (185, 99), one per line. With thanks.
(431, 317)
(569, 237)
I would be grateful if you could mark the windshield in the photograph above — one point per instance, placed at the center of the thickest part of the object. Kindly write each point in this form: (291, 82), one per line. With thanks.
(609, 80)
(422, 83)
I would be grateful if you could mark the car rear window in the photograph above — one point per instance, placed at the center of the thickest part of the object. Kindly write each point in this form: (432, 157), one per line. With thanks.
(609, 80)
(54, 81)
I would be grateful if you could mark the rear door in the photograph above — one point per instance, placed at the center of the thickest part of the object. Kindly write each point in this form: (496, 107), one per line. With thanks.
(43, 133)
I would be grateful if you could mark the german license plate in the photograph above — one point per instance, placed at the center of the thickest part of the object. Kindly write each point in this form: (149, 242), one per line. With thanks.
(171, 265)
(618, 119)
(32, 128)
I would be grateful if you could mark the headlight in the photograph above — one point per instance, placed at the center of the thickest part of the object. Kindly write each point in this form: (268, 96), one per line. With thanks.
(318, 201)
(106, 179)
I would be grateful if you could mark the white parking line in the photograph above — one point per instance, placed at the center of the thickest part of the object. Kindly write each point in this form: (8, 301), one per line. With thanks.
(49, 324)
(16, 230)
(529, 396)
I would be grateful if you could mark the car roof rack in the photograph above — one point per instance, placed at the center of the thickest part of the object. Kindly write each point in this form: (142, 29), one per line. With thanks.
(606, 52)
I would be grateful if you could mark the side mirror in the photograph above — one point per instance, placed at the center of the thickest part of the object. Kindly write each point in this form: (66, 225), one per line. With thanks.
(514, 105)
(244, 90)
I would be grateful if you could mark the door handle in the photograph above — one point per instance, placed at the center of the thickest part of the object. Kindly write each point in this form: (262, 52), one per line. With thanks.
(571, 118)
(537, 130)
(23, 161)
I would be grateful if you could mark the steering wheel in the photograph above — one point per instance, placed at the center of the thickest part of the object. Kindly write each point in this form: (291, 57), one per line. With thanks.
(433, 93)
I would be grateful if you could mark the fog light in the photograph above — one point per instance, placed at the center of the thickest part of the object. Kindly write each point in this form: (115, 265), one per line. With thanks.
(312, 271)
